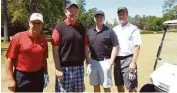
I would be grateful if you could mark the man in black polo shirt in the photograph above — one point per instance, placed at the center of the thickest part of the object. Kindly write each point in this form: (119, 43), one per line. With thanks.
(103, 45)
(69, 50)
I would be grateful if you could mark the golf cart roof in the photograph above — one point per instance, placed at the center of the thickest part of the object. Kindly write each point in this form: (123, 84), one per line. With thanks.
(170, 22)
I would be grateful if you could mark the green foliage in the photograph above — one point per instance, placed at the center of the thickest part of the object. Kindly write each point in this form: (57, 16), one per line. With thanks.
(151, 23)
(110, 25)
(52, 10)
(150, 32)
(19, 11)
(86, 17)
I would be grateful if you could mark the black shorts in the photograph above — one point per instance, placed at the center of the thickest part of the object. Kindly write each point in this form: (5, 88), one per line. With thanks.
(121, 72)
(29, 81)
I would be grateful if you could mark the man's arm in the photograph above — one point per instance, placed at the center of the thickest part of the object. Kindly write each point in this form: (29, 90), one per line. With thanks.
(114, 54)
(136, 53)
(9, 70)
(115, 44)
(133, 64)
(137, 42)
(56, 57)
(87, 52)
(11, 56)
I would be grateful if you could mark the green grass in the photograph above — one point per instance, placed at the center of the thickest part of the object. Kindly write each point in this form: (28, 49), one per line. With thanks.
(157, 32)
(3, 51)
(145, 61)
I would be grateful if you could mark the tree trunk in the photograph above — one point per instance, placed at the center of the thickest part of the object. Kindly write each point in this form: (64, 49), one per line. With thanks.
(6, 36)
(32, 6)
(65, 3)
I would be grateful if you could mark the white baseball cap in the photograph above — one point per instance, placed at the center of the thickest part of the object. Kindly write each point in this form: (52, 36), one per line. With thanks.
(36, 16)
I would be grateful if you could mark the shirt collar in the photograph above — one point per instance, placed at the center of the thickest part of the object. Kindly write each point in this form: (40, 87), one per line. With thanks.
(30, 35)
(128, 24)
(103, 29)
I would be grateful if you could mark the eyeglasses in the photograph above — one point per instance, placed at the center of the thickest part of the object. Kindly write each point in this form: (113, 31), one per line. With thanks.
(36, 22)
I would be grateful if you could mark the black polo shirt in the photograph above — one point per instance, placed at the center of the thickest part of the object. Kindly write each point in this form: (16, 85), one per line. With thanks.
(102, 42)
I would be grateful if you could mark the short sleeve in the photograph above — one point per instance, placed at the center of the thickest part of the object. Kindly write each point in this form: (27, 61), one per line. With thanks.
(56, 38)
(114, 39)
(12, 51)
(137, 37)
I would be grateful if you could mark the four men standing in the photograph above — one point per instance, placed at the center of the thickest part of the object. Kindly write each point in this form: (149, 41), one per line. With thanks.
(71, 45)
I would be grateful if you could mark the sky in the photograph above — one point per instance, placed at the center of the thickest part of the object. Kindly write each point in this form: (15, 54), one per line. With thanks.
(140, 7)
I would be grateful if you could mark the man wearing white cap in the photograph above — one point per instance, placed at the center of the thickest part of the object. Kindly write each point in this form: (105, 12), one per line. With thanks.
(27, 54)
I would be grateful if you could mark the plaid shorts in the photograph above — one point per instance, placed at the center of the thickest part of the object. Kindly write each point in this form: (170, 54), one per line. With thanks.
(73, 80)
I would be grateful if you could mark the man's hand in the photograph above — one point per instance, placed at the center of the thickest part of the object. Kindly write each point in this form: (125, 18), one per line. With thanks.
(110, 62)
(59, 74)
(132, 67)
(11, 85)
(89, 69)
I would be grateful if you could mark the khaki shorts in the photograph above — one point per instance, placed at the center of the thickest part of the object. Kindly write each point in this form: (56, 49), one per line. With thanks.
(100, 74)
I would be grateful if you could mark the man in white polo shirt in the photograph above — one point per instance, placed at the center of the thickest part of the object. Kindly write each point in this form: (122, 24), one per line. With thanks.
(125, 70)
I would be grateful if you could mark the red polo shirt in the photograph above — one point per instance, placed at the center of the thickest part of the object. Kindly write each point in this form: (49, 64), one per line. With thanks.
(30, 53)
(56, 37)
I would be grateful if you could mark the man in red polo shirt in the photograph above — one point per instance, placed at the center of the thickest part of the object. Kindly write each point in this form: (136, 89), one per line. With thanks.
(27, 54)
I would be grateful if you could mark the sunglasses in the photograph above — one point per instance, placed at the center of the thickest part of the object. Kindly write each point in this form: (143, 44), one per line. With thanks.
(36, 22)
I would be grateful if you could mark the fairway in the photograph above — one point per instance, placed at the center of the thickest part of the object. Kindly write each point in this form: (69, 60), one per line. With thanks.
(145, 61)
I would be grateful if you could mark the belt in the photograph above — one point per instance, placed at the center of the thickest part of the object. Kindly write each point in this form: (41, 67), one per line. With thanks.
(124, 57)
(100, 58)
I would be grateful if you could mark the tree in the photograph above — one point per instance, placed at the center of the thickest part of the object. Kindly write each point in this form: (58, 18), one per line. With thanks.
(168, 5)
(169, 10)
(6, 36)
(32, 6)
(20, 10)
(86, 17)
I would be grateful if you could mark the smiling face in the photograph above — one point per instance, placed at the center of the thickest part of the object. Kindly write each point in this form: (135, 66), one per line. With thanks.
(72, 13)
(36, 26)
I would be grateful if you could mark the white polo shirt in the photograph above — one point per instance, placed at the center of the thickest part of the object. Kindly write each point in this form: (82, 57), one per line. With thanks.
(128, 36)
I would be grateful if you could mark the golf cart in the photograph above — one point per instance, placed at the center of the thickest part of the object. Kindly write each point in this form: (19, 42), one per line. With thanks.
(164, 78)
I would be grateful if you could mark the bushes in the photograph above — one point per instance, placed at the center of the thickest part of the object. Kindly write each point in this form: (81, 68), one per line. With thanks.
(151, 32)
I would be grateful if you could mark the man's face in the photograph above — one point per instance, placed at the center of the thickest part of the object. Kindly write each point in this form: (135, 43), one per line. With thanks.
(72, 13)
(123, 16)
(36, 26)
(99, 19)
